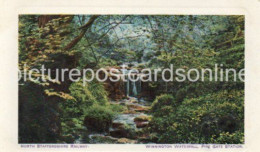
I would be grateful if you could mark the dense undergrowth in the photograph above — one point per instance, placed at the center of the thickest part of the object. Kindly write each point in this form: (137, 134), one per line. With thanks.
(182, 112)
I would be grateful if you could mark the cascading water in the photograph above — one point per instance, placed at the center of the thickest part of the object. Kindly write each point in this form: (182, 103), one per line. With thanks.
(127, 87)
(134, 89)
(125, 128)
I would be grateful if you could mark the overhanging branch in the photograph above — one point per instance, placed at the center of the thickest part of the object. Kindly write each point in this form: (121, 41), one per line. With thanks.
(84, 29)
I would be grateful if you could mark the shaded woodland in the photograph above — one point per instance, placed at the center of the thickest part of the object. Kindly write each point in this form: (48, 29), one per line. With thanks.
(152, 112)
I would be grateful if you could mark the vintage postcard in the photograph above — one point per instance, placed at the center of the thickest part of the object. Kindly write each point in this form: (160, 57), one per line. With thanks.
(131, 77)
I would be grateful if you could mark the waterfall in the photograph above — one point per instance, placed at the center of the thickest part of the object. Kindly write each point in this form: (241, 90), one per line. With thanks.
(127, 87)
(134, 89)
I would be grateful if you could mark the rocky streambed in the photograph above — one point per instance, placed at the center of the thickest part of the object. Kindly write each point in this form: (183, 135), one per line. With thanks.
(127, 127)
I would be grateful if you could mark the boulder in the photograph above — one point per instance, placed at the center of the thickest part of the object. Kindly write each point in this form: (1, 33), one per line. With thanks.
(122, 103)
(138, 108)
(118, 133)
(123, 133)
(117, 125)
(103, 139)
(129, 112)
(133, 100)
(142, 109)
(97, 125)
(142, 118)
(126, 141)
(134, 106)
(141, 124)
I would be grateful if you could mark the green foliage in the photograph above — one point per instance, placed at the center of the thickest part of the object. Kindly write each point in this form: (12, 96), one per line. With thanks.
(98, 91)
(86, 98)
(208, 112)
(229, 138)
(117, 108)
(98, 118)
(162, 102)
(198, 120)
(90, 93)
(183, 112)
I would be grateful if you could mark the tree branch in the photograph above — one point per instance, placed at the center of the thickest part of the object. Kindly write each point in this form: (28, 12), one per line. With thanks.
(84, 29)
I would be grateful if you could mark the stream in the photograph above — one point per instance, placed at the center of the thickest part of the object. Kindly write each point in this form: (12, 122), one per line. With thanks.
(127, 127)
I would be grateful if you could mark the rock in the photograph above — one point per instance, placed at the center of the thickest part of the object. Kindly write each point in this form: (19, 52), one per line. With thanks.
(138, 107)
(148, 138)
(143, 139)
(115, 89)
(117, 125)
(126, 141)
(133, 100)
(141, 124)
(118, 133)
(142, 109)
(134, 106)
(129, 112)
(95, 124)
(123, 133)
(103, 139)
(142, 118)
(122, 103)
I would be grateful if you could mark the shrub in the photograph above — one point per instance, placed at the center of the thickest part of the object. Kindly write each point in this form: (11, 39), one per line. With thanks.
(90, 93)
(163, 100)
(82, 93)
(198, 120)
(98, 118)
(117, 108)
(98, 91)
(229, 138)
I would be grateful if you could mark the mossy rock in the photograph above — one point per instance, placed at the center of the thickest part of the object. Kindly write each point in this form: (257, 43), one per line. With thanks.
(104, 139)
(142, 118)
(98, 118)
